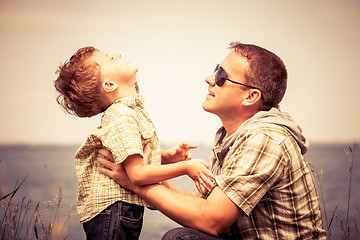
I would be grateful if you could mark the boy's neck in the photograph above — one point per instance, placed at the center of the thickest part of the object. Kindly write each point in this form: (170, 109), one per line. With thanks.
(130, 92)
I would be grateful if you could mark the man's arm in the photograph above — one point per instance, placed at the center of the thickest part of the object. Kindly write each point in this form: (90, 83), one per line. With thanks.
(171, 186)
(212, 215)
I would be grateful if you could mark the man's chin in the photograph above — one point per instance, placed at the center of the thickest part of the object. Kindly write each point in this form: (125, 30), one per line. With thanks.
(206, 107)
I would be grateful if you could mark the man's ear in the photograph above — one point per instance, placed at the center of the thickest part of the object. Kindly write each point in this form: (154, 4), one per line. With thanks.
(109, 86)
(253, 97)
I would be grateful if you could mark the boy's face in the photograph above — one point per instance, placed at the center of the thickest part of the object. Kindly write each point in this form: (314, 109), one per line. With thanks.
(114, 68)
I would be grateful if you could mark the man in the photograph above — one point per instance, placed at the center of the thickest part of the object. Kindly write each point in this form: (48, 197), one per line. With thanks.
(264, 187)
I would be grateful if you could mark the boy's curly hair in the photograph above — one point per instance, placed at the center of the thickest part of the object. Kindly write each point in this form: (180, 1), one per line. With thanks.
(79, 85)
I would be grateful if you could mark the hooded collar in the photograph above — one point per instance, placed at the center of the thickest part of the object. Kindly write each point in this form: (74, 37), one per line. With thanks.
(223, 142)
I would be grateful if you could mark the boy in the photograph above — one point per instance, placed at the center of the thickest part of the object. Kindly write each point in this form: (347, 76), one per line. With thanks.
(92, 82)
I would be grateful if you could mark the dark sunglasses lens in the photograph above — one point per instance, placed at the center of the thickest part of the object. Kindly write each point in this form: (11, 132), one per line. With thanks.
(220, 77)
(217, 68)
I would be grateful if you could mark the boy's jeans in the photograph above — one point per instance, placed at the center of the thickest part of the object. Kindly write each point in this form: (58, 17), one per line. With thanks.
(120, 220)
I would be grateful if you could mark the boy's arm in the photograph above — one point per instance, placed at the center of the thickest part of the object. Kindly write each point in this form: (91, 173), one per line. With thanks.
(141, 174)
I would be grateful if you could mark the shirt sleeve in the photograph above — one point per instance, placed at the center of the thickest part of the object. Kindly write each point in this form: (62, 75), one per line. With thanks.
(251, 169)
(123, 138)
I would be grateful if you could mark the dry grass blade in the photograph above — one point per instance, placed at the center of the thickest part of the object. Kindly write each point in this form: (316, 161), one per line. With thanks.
(20, 220)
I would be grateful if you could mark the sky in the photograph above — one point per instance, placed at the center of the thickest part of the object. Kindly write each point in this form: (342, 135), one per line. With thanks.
(176, 45)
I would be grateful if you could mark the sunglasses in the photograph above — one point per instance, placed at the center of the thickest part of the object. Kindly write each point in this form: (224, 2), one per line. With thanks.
(221, 77)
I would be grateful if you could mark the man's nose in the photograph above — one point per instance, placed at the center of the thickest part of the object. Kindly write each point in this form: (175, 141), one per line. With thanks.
(210, 79)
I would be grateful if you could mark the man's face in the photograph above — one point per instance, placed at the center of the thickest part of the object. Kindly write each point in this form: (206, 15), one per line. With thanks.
(115, 68)
(225, 100)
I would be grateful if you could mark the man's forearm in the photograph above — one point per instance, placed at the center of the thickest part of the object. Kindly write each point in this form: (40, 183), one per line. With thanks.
(172, 187)
(186, 210)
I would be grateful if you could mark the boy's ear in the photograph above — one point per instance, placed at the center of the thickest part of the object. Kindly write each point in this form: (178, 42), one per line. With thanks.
(109, 86)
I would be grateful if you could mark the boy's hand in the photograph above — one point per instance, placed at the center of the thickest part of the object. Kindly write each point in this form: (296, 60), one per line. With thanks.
(177, 153)
(199, 171)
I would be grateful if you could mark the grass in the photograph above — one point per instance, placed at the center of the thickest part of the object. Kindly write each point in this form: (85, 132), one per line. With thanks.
(22, 218)
(345, 229)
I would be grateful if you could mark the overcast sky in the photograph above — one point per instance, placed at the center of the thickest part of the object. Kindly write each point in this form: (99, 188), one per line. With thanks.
(176, 44)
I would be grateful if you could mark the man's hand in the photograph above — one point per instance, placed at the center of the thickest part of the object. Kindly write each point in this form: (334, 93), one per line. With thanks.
(177, 153)
(115, 171)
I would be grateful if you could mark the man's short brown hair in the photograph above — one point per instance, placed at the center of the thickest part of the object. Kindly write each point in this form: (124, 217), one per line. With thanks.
(266, 71)
(79, 84)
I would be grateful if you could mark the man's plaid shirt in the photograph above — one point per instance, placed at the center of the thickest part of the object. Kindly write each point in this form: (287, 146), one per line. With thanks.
(125, 129)
(265, 174)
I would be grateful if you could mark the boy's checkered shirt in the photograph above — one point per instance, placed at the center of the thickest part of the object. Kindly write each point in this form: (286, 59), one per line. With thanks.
(125, 129)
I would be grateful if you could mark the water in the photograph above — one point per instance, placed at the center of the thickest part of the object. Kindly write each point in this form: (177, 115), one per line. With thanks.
(48, 167)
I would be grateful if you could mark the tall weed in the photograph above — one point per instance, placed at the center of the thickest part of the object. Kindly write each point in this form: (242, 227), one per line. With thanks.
(22, 218)
(343, 225)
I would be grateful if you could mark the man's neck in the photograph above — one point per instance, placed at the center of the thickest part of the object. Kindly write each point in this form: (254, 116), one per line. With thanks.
(231, 127)
(233, 123)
